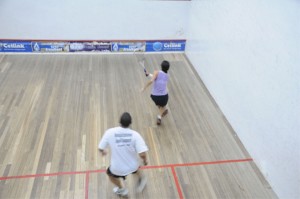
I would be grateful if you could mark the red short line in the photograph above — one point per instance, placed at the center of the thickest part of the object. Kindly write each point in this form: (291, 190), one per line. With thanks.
(157, 166)
(97, 171)
(197, 163)
(144, 167)
(177, 183)
(52, 174)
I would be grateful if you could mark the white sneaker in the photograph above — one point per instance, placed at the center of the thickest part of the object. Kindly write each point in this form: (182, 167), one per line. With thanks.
(158, 121)
(141, 184)
(120, 191)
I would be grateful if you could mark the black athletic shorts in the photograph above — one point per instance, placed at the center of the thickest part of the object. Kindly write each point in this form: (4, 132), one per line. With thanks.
(160, 100)
(108, 172)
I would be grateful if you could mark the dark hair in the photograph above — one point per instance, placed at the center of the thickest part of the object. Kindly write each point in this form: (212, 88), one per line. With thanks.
(165, 65)
(125, 120)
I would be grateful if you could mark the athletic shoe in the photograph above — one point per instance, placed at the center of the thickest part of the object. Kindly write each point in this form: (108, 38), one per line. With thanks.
(158, 121)
(120, 191)
(164, 113)
(141, 184)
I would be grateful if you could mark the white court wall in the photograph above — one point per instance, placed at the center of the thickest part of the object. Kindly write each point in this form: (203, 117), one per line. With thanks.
(248, 55)
(246, 52)
(92, 19)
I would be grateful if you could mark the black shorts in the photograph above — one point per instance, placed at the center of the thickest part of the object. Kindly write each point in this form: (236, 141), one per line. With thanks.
(160, 100)
(108, 172)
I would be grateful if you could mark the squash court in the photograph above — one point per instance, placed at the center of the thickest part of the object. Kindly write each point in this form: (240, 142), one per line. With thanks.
(54, 108)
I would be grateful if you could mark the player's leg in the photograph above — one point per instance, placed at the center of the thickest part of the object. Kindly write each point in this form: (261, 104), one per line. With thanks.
(117, 180)
(158, 119)
(141, 180)
(161, 102)
(163, 111)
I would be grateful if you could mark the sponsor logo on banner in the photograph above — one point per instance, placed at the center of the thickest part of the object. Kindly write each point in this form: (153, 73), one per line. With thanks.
(50, 46)
(128, 46)
(156, 46)
(15, 46)
(90, 46)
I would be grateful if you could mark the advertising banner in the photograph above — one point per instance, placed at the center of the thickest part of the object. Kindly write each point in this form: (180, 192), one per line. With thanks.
(50, 46)
(157, 46)
(128, 46)
(90, 46)
(15, 46)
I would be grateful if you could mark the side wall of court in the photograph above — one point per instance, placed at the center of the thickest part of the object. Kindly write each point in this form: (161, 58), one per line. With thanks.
(248, 55)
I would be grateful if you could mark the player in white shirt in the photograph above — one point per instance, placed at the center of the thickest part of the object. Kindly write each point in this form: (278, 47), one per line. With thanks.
(126, 146)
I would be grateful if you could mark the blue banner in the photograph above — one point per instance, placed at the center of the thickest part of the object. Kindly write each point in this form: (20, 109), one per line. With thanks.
(128, 46)
(90, 46)
(15, 46)
(50, 47)
(157, 46)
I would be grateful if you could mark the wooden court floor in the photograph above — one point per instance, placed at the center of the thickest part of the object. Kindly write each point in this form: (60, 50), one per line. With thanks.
(54, 108)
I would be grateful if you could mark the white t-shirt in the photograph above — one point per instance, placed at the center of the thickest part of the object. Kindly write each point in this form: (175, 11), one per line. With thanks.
(125, 145)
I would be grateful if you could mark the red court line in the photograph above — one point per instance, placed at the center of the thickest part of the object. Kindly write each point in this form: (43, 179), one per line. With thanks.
(87, 176)
(198, 163)
(177, 183)
(144, 167)
(51, 174)
(178, 187)
(87, 173)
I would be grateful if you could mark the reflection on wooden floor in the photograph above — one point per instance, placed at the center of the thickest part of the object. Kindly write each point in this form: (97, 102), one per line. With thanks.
(55, 108)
